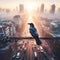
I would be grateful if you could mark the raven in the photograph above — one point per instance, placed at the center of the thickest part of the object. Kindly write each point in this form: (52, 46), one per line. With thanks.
(34, 33)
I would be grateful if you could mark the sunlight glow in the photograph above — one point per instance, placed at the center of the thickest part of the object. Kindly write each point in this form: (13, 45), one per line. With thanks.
(30, 6)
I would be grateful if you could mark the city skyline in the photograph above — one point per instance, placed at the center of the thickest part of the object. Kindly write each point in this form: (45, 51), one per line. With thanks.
(13, 3)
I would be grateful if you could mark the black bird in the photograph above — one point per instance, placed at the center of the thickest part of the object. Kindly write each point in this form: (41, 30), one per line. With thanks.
(34, 33)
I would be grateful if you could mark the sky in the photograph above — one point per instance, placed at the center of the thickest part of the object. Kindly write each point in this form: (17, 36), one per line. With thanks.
(14, 3)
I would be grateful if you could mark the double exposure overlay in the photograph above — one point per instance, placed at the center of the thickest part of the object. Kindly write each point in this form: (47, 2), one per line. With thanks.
(29, 29)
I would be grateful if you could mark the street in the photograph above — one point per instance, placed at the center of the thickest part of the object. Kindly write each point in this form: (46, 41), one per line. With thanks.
(29, 30)
(30, 51)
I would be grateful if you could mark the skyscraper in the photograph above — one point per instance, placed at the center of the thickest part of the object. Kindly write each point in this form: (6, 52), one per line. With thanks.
(52, 10)
(42, 8)
(59, 9)
(21, 8)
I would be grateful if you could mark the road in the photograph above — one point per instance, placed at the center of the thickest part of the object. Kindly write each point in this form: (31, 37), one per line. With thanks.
(30, 51)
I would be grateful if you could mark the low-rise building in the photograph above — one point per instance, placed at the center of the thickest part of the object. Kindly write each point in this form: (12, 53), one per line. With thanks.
(7, 28)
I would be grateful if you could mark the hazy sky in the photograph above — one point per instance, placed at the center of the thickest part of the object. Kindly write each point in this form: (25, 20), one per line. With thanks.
(14, 3)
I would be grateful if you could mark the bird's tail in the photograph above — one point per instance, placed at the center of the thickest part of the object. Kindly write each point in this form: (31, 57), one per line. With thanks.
(38, 41)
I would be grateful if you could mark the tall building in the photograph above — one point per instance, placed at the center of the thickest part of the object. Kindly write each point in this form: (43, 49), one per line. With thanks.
(7, 10)
(17, 9)
(42, 8)
(52, 10)
(16, 19)
(0, 9)
(21, 8)
(59, 9)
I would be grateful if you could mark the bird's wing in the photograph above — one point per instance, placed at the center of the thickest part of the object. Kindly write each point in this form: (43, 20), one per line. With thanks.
(33, 32)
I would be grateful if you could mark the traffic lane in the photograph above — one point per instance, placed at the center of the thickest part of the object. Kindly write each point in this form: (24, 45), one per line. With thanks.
(29, 47)
(41, 33)
(29, 52)
(21, 27)
(23, 54)
(26, 54)
(29, 56)
(33, 53)
(42, 55)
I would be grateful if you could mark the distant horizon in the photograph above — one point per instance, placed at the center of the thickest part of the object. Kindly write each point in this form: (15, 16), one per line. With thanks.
(11, 4)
